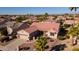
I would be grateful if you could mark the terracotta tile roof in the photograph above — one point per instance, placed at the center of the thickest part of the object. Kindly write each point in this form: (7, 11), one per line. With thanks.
(31, 29)
(45, 26)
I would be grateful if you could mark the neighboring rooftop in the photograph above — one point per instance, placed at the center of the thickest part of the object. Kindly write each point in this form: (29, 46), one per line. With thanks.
(69, 22)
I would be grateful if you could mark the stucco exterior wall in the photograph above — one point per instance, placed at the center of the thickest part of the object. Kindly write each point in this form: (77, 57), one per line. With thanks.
(23, 35)
(51, 36)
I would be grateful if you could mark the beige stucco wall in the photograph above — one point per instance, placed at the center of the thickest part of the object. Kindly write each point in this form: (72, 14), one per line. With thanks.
(23, 35)
(48, 34)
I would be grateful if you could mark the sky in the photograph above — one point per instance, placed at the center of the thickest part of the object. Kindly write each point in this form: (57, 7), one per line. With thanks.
(34, 10)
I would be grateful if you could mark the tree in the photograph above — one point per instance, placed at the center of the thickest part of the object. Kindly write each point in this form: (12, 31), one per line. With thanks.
(41, 43)
(46, 14)
(73, 8)
(73, 31)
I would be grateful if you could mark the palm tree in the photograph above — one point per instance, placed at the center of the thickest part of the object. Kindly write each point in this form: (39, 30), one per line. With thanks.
(75, 9)
(41, 43)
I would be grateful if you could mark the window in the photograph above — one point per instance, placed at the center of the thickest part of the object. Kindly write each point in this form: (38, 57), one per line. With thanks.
(52, 34)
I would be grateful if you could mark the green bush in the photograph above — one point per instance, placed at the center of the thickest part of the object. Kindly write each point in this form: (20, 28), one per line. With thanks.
(41, 44)
(75, 49)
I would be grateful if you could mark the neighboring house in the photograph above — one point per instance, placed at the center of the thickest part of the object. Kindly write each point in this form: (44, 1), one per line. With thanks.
(13, 27)
(61, 17)
(14, 17)
(76, 19)
(50, 19)
(33, 18)
(49, 29)
(69, 18)
(69, 22)
(27, 33)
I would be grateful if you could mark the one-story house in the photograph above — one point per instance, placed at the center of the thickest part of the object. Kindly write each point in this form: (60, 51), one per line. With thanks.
(13, 27)
(48, 29)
